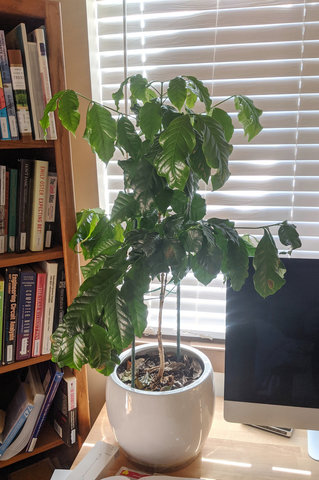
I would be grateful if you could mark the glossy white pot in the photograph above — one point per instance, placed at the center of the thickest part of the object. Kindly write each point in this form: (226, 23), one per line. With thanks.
(162, 429)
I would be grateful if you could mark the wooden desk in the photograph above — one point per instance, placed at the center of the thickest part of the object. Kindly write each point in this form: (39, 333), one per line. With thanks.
(232, 452)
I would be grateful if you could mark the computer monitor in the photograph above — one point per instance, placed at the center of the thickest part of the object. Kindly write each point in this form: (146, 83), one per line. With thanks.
(272, 351)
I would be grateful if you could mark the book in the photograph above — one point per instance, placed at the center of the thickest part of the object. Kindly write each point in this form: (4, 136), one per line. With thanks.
(17, 40)
(37, 393)
(18, 411)
(13, 190)
(1, 311)
(38, 310)
(51, 382)
(39, 104)
(6, 210)
(2, 208)
(7, 87)
(20, 93)
(27, 286)
(10, 308)
(39, 186)
(50, 209)
(4, 121)
(24, 204)
(51, 269)
(65, 408)
(60, 297)
(38, 37)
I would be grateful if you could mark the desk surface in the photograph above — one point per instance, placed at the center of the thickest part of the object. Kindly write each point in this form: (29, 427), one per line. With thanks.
(231, 452)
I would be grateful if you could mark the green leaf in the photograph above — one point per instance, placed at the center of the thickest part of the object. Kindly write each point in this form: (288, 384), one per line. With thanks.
(163, 199)
(289, 236)
(68, 350)
(68, 110)
(86, 223)
(116, 318)
(225, 120)
(250, 244)
(269, 270)
(177, 92)
(150, 119)
(173, 251)
(178, 141)
(91, 268)
(198, 163)
(198, 208)
(191, 98)
(128, 138)
(138, 87)
(248, 116)
(225, 227)
(125, 206)
(179, 201)
(98, 346)
(216, 151)
(100, 131)
(237, 263)
(119, 95)
(50, 107)
(198, 88)
(206, 266)
(169, 114)
(192, 240)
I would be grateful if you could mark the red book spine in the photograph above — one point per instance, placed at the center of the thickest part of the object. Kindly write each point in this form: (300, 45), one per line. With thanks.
(38, 313)
(6, 211)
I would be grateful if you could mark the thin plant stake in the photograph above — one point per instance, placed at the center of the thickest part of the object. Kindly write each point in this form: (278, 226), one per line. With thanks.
(178, 323)
(133, 364)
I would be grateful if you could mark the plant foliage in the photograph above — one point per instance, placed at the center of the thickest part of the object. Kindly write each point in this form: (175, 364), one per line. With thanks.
(158, 223)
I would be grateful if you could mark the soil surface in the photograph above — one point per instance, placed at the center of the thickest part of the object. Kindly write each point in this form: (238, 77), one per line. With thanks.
(177, 373)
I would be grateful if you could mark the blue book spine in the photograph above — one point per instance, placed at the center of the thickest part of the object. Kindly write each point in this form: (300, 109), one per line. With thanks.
(7, 88)
(4, 121)
(25, 313)
(49, 396)
(15, 430)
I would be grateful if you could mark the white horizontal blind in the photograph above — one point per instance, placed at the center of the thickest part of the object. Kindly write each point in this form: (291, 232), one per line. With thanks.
(267, 50)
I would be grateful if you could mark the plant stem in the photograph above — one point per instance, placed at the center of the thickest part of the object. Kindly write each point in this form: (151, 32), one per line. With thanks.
(133, 364)
(261, 227)
(159, 332)
(101, 105)
(219, 103)
(178, 323)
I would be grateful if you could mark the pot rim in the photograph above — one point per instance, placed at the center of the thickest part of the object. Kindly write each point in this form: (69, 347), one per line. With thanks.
(207, 369)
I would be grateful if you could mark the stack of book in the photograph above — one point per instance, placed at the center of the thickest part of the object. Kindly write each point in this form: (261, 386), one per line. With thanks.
(32, 304)
(24, 84)
(28, 194)
(29, 406)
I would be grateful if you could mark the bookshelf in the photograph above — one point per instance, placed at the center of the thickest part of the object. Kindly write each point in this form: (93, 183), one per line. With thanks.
(35, 13)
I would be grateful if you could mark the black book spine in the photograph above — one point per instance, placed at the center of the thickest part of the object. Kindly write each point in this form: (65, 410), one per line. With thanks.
(24, 202)
(60, 297)
(11, 295)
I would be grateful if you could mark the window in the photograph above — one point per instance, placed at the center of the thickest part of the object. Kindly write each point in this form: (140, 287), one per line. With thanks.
(267, 50)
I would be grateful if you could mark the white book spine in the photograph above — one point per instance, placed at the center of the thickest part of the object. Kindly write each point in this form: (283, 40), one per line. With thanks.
(51, 268)
(40, 178)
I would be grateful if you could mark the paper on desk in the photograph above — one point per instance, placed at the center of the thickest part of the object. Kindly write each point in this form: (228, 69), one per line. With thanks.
(60, 474)
(93, 462)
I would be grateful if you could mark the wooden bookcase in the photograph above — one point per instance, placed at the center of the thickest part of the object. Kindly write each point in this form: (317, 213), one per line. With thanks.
(35, 13)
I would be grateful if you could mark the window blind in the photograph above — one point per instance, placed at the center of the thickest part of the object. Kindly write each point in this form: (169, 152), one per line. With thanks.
(267, 50)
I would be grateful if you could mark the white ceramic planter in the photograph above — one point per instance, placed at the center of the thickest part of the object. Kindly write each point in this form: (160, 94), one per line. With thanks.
(162, 429)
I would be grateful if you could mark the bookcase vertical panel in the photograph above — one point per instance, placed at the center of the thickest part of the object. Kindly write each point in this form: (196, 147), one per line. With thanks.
(35, 13)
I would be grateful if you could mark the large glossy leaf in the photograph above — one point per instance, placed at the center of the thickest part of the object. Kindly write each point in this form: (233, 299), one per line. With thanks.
(125, 206)
(116, 318)
(178, 141)
(91, 268)
(150, 119)
(104, 238)
(68, 110)
(198, 163)
(179, 201)
(127, 137)
(192, 239)
(289, 236)
(197, 87)
(68, 350)
(177, 92)
(138, 87)
(216, 150)
(237, 263)
(206, 264)
(248, 116)
(100, 131)
(98, 346)
(225, 120)
(269, 274)
(50, 107)
(119, 94)
(225, 227)
(198, 207)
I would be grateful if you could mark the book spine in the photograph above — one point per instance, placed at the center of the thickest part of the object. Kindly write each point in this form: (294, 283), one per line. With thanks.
(13, 187)
(1, 312)
(20, 92)
(25, 167)
(52, 389)
(7, 87)
(38, 314)
(17, 427)
(51, 269)
(60, 297)
(4, 120)
(10, 313)
(40, 177)
(66, 425)
(6, 211)
(50, 209)
(25, 314)
(2, 207)
(38, 37)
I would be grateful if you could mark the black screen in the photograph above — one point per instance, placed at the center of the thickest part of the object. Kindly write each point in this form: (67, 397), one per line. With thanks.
(272, 344)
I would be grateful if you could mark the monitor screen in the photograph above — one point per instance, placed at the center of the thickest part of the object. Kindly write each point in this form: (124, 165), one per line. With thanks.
(272, 350)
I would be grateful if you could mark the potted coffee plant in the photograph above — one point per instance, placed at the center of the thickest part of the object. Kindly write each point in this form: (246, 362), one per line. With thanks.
(157, 228)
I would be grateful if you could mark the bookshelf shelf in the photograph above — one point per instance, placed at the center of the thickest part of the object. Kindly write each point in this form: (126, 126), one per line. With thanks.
(35, 13)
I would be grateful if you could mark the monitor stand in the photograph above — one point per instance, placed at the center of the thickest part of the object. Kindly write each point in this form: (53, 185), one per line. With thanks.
(313, 444)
